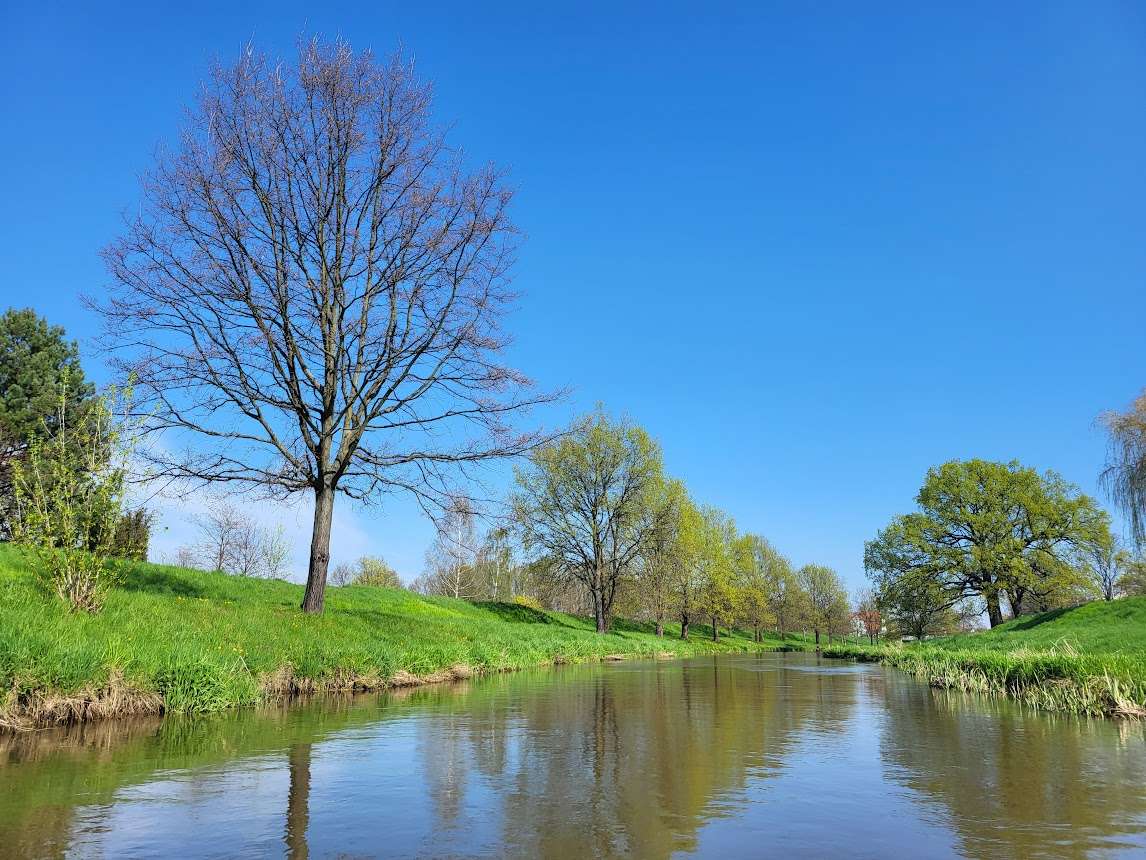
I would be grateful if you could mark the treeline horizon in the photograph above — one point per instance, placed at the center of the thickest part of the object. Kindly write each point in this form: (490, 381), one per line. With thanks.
(320, 308)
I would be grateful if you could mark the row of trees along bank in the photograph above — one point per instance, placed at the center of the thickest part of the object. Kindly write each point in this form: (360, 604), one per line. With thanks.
(317, 308)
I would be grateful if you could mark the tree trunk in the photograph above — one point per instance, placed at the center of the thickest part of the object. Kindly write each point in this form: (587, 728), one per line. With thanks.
(660, 627)
(315, 595)
(684, 625)
(817, 638)
(994, 611)
(715, 636)
(599, 611)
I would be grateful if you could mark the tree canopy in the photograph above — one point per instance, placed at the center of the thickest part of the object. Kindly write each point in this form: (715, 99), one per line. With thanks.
(991, 531)
(41, 385)
(311, 297)
(582, 503)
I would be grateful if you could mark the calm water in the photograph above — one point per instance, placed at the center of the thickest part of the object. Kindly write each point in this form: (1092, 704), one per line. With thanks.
(771, 755)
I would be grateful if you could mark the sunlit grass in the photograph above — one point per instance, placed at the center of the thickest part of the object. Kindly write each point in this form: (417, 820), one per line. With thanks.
(208, 641)
(1089, 659)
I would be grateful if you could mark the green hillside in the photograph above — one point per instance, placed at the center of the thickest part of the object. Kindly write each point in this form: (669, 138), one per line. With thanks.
(1089, 659)
(1101, 627)
(171, 639)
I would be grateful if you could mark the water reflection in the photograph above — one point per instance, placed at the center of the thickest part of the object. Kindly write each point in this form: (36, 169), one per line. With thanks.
(775, 754)
(1016, 783)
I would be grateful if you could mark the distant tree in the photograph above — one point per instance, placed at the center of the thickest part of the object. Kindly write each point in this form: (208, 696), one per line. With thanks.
(659, 555)
(690, 565)
(993, 531)
(312, 293)
(824, 592)
(1132, 582)
(42, 387)
(786, 600)
(1125, 474)
(867, 614)
(765, 584)
(186, 557)
(371, 570)
(582, 503)
(452, 557)
(496, 568)
(747, 554)
(1103, 560)
(133, 534)
(230, 541)
(719, 594)
(276, 553)
(840, 619)
(915, 606)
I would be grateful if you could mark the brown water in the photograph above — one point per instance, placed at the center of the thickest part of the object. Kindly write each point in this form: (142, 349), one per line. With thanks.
(768, 755)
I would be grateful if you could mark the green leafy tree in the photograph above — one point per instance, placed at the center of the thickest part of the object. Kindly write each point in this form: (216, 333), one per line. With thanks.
(582, 504)
(374, 571)
(824, 592)
(993, 531)
(720, 594)
(1132, 582)
(659, 559)
(915, 606)
(37, 365)
(688, 578)
(766, 585)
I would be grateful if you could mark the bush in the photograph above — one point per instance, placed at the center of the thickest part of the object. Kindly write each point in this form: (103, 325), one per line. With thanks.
(528, 602)
(69, 503)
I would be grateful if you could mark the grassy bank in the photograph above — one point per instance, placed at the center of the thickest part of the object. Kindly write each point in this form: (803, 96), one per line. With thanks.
(1087, 660)
(177, 640)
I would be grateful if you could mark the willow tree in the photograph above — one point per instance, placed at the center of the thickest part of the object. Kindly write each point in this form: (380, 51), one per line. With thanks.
(310, 299)
(1125, 474)
(582, 505)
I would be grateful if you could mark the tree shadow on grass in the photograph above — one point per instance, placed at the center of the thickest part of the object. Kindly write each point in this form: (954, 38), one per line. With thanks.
(1026, 623)
(515, 612)
(155, 581)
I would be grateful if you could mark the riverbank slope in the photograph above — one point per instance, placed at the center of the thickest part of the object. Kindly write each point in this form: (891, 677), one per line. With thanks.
(177, 640)
(1088, 659)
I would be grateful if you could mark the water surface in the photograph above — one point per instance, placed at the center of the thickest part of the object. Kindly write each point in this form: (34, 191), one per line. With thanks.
(780, 755)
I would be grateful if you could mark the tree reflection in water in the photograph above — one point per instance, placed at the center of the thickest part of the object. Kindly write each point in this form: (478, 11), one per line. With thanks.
(783, 754)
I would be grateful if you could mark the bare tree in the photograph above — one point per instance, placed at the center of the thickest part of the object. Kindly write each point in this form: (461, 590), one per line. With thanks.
(452, 558)
(311, 298)
(276, 551)
(1104, 561)
(221, 530)
(232, 542)
(186, 556)
(366, 570)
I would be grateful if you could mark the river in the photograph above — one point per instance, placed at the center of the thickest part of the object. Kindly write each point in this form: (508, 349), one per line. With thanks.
(783, 755)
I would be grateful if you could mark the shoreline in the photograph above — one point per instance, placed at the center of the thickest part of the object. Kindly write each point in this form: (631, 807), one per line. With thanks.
(1052, 681)
(118, 698)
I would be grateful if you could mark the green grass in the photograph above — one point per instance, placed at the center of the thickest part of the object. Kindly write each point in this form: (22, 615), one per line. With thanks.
(1089, 659)
(182, 640)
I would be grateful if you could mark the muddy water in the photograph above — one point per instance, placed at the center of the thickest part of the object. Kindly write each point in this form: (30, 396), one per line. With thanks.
(769, 755)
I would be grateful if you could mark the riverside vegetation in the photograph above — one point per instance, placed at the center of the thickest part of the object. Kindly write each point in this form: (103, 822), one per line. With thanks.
(224, 252)
(1089, 659)
(175, 640)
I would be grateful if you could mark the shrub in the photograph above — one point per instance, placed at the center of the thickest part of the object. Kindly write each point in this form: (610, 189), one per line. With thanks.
(529, 602)
(69, 502)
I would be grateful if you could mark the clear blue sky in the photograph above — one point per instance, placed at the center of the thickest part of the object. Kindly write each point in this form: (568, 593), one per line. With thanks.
(813, 250)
